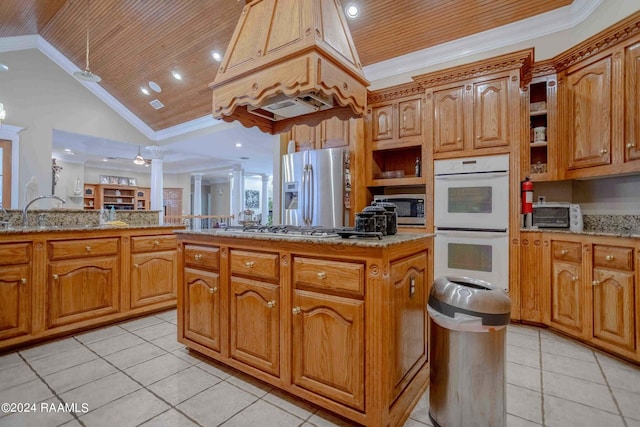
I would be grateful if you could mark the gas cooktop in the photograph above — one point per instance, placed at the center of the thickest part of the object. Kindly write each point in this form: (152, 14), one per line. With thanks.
(298, 231)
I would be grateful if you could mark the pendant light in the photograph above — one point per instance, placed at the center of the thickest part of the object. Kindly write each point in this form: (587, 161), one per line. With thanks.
(87, 75)
(139, 160)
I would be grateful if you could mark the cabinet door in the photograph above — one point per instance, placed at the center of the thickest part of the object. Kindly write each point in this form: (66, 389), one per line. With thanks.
(632, 103)
(448, 120)
(613, 308)
(153, 277)
(532, 283)
(382, 122)
(328, 347)
(408, 329)
(490, 111)
(567, 300)
(334, 133)
(589, 105)
(255, 324)
(304, 136)
(82, 289)
(202, 308)
(15, 301)
(410, 118)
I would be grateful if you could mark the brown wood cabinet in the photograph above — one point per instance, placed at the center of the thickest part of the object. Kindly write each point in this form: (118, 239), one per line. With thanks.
(533, 281)
(399, 120)
(567, 290)
(15, 289)
(56, 282)
(318, 319)
(154, 269)
(329, 133)
(631, 138)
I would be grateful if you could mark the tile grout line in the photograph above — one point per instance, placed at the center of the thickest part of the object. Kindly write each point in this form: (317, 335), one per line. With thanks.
(544, 421)
(613, 397)
(60, 399)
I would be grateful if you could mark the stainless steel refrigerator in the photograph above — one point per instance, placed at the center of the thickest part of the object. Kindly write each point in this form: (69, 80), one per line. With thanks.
(313, 184)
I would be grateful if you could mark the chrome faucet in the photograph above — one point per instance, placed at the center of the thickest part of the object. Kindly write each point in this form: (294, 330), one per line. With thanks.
(25, 219)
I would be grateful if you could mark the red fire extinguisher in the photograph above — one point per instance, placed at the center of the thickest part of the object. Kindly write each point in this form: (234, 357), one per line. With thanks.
(526, 189)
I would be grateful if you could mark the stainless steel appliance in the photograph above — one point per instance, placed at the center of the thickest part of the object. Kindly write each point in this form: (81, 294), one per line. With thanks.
(313, 183)
(409, 207)
(471, 218)
(557, 215)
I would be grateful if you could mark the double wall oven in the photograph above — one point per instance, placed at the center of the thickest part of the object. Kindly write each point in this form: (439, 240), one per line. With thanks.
(471, 218)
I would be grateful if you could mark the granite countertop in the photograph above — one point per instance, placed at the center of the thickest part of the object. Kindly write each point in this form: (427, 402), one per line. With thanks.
(371, 242)
(626, 233)
(76, 228)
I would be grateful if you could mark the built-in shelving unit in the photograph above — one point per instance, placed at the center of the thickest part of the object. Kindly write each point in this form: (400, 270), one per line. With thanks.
(539, 132)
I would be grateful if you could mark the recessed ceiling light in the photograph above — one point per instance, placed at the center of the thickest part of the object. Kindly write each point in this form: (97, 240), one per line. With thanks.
(176, 75)
(155, 87)
(105, 160)
(68, 150)
(238, 145)
(4, 67)
(145, 90)
(216, 55)
(352, 11)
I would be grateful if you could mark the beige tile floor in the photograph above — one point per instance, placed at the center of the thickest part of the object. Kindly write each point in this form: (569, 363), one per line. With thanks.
(136, 374)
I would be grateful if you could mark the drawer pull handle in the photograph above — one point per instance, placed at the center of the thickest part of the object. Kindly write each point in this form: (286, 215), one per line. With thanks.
(564, 252)
(55, 277)
(156, 243)
(296, 310)
(23, 281)
(249, 264)
(322, 275)
(604, 151)
(271, 304)
(213, 290)
(574, 278)
(87, 248)
(136, 265)
(595, 282)
(197, 257)
(630, 145)
(609, 257)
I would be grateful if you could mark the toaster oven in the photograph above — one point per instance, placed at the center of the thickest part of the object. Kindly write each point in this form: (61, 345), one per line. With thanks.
(556, 215)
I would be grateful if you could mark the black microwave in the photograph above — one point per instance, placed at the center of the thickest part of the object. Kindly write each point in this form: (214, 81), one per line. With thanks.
(410, 207)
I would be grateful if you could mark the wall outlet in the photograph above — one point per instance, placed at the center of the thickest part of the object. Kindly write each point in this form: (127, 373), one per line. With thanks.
(541, 199)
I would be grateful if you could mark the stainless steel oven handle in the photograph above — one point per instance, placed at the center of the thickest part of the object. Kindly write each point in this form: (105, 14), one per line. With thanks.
(472, 176)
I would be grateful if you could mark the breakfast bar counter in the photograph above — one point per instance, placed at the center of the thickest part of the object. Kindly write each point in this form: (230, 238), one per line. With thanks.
(339, 322)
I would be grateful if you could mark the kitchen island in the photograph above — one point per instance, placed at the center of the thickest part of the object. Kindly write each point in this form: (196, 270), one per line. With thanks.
(57, 280)
(341, 323)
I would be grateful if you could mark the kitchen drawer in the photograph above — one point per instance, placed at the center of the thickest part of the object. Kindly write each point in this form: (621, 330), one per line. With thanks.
(614, 257)
(64, 249)
(153, 243)
(328, 275)
(15, 253)
(202, 256)
(255, 264)
(566, 251)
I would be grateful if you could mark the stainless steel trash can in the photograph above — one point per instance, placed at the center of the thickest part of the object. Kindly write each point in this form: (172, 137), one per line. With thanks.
(467, 352)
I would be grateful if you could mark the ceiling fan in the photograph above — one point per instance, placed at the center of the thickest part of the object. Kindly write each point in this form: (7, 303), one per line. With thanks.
(87, 75)
(138, 159)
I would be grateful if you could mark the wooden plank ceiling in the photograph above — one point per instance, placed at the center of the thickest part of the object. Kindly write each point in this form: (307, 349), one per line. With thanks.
(137, 41)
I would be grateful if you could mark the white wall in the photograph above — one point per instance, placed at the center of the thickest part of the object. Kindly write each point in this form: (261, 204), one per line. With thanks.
(220, 198)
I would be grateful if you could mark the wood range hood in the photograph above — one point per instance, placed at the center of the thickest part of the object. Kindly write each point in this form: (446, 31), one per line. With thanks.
(290, 62)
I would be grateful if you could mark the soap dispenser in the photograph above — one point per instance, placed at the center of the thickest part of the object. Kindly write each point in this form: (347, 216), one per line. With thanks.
(112, 214)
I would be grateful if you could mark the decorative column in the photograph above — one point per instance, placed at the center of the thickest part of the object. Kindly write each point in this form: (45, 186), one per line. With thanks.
(237, 193)
(265, 199)
(157, 185)
(197, 200)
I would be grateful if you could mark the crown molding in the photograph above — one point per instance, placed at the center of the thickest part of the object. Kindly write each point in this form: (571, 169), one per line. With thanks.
(394, 92)
(190, 126)
(537, 26)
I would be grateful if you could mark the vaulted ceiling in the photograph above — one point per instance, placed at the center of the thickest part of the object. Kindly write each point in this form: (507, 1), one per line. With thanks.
(133, 42)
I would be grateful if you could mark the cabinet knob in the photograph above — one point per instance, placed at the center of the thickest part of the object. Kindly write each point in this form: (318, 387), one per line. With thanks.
(197, 257)
(87, 248)
(296, 310)
(459, 140)
(55, 277)
(574, 278)
(595, 282)
(630, 145)
(249, 264)
(271, 304)
(136, 265)
(604, 151)
(609, 257)
(322, 275)
(564, 252)
(213, 290)
(23, 281)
